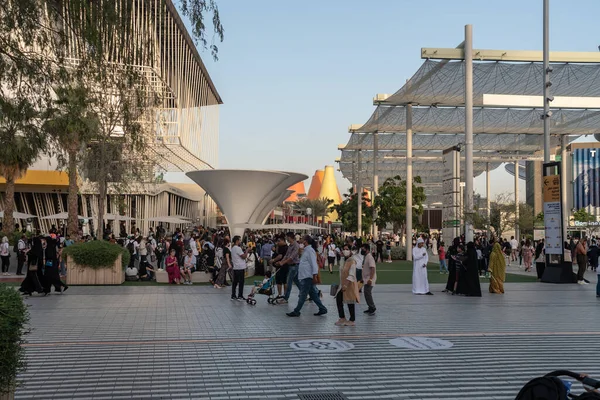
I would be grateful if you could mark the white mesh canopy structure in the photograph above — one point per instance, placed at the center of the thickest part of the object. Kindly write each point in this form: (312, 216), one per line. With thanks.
(442, 82)
(496, 97)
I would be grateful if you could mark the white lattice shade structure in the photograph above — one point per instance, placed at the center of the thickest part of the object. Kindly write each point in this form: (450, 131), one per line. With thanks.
(245, 196)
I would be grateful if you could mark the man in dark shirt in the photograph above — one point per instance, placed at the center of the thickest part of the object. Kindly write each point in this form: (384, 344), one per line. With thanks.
(379, 245)
(281, 271)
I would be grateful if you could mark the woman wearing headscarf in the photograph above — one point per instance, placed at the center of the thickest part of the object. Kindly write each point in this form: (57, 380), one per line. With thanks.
(497, 270)
(347, 292)
(470, 277)
(50, 265)
(452, 252)
(540, 259)
(34, 277)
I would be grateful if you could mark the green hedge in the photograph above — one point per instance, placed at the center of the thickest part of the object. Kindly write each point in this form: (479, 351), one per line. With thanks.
(97, 254)
(13, 318)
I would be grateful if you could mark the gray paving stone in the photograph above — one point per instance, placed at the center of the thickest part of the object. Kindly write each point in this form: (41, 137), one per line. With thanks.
(192, 342)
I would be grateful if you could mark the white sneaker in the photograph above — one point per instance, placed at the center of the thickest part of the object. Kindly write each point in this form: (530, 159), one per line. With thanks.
(584, 283)
(581, 282)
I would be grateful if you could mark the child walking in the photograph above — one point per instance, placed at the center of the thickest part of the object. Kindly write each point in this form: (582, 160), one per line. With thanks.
(442, 256)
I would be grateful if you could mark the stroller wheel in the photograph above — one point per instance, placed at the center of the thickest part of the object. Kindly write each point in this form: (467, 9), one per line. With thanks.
(252, 302)
(270, 300)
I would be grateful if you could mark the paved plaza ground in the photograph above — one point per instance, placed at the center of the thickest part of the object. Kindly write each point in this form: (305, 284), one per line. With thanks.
(192, 342)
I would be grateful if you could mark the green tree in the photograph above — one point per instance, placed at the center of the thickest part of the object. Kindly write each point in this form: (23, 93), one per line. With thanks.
(502, 214)
(390, 203)
(72, 123)
(582, 215)
(347, 212)
(319, 207)
(526, 219)
(25, 74)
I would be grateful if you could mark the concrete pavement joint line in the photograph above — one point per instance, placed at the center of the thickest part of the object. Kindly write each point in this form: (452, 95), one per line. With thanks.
(296, 338)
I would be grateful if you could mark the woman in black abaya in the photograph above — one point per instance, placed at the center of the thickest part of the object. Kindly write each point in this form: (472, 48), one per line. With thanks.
(50, 265)
(469, 278)
(33, 279)
(452, 251)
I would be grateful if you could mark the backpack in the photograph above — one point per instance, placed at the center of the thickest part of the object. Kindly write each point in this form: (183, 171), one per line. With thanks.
(130, 247)
(16, 246)
(548, 388)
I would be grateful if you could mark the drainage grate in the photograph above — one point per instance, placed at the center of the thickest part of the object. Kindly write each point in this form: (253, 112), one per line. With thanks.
(322, 396)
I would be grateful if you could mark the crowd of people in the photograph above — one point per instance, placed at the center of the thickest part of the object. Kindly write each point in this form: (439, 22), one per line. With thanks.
(295, 260)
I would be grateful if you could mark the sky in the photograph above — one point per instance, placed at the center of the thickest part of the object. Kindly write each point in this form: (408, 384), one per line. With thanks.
(294, 75)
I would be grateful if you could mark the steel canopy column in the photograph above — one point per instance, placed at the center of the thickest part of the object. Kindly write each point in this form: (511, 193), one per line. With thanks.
(546, 81)
(354, 186)
(563, 183)
(409, 181)
(468, 209)
(488, 200)
(359, 194)
(517, 230)
(375, 179)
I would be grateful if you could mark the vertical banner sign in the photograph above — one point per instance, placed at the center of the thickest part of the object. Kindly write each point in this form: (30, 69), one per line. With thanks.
(552, 215)
(451, 194)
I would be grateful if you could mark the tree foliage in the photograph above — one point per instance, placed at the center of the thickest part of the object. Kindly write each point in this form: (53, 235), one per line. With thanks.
(526, 221)
(390, 203)
(502, 214)
(582, 215)
(196, 10)
(347, 212)
(319, 207)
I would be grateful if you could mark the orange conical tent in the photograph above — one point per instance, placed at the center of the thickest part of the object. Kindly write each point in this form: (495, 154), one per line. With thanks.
(315, 185)
(298, 189)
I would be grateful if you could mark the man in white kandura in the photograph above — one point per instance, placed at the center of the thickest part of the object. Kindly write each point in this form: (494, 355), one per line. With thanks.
(420, 259)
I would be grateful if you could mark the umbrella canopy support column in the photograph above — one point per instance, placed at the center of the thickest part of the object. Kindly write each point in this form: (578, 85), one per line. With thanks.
(375, 180)
(468, 211)
(517, 229)
(487, 196)
(409, 181)
(563, 178)
(359, 194)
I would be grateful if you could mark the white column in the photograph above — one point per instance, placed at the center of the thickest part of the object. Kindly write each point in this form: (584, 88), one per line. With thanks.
(546, 56)
(359, 194)
(409, 179)
(375, 179)
(468, 207)
(487, 195)
(517, 230)
(563, 183)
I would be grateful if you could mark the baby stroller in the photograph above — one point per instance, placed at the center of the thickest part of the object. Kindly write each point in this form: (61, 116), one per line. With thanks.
(267, 288)
(551, 387)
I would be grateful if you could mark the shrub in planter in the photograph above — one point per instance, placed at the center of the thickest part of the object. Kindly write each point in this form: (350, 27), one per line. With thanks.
(398, 253)
(97, 254)
(96, 263)
(13, 318)
(13, 237)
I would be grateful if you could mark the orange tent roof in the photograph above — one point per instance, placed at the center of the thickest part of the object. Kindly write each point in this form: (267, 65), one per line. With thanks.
(298, 189)
(315, 185)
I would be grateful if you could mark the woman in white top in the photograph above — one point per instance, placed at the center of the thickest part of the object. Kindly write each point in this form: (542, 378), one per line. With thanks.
(434, 248)
(5, 255)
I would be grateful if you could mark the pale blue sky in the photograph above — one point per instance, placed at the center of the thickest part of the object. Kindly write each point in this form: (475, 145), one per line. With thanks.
(295, 74)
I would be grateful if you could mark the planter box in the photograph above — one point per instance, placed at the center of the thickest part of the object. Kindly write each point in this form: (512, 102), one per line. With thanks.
(8, 396)
(78, 275)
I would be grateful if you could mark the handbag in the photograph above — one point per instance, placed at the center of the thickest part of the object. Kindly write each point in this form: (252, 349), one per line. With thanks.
(334, 289)
(33, 267)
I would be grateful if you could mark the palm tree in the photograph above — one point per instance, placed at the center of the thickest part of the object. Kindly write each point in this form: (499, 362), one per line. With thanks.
(322, 207)
(71, 124)
(21, 142)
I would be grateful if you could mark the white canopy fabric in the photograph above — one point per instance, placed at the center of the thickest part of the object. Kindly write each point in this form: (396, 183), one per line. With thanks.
(62, 215)
(18, 215)
(442, 82)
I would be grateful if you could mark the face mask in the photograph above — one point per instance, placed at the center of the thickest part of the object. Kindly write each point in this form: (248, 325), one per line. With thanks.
(363, 252)
(301, 245)
(346, 253)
